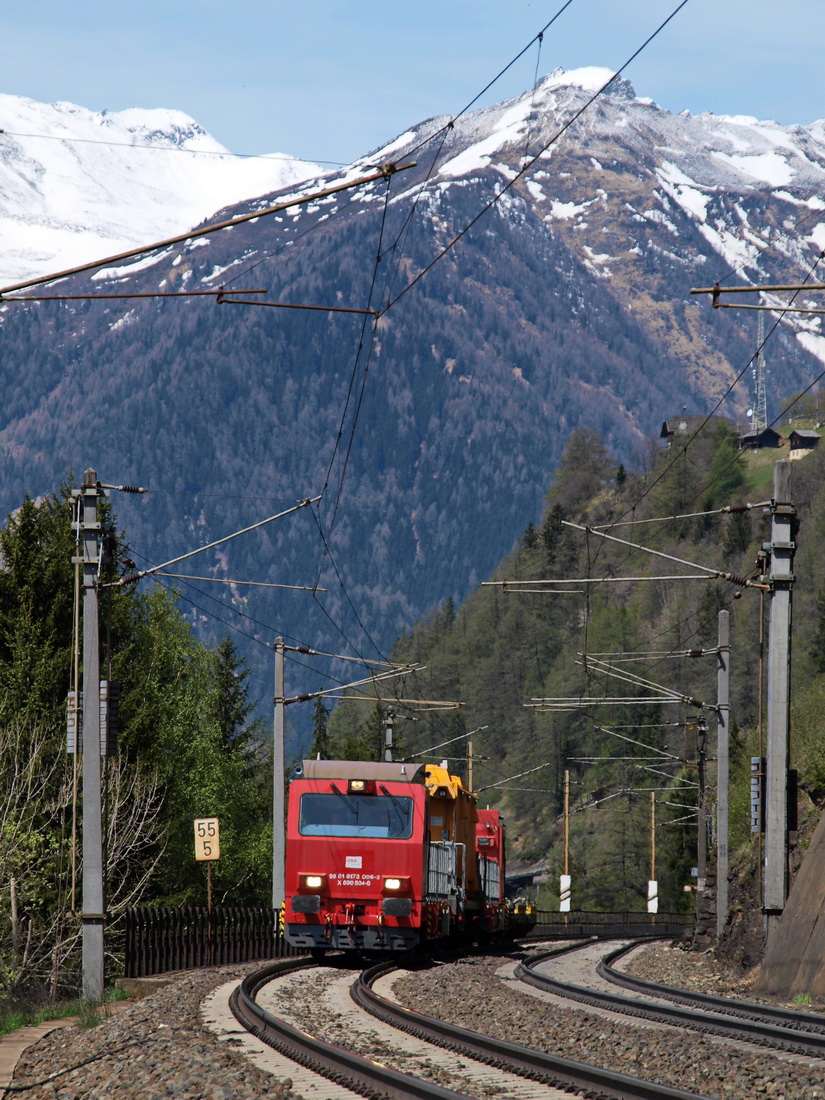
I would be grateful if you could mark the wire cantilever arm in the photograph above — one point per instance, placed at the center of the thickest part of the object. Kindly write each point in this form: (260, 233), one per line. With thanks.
(383, 172)
(129, 578)
(741, 582)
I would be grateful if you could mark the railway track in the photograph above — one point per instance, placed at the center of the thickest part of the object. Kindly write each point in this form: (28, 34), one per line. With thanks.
(794, 1032)
(488, 1060)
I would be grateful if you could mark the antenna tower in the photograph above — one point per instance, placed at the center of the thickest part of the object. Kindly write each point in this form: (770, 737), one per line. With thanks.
(760, 403)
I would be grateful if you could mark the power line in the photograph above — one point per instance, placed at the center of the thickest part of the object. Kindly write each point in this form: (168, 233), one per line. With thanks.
(301, 200)
(129, 578)
(536, 38)
(224, 153)
(525, 168)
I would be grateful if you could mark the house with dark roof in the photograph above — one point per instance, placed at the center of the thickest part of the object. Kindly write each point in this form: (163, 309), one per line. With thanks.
(685, 424)
(801, 441)
(755, 441)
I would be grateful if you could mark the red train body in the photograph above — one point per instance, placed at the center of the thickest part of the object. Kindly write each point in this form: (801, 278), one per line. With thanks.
(389, 856)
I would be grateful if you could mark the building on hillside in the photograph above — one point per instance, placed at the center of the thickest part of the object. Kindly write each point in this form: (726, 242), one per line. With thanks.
(685, 424)
(801, 441)
(755, 441)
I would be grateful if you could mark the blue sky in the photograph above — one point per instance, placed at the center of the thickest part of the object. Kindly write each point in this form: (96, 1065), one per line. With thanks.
(331, 80)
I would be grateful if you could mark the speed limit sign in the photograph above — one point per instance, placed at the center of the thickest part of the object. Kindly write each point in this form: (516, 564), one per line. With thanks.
(207, 838)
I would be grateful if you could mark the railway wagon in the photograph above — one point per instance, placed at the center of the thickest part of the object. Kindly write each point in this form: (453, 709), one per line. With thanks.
(491, 867)
(384, 857)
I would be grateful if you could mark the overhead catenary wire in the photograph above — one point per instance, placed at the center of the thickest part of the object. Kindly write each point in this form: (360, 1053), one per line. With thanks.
(255, 584)
(175, 590)
(536, 38)
(725, 510)
(355, 422)
(442, 744)
(719, 402)
(525, 168)
(376, 678)
(696, 433)
(513, 586)
(65, 139)
(572, 703)
(135, 294)
(633, 741)
(770, 309)
(680, 656)
(741, 582)
(427, 704)
(300, 648)
(353, 433)
(342, 657)
(640, 681)
(331, 559)
(501, 782)
(601, 759)
(370, 342)
(224, 301)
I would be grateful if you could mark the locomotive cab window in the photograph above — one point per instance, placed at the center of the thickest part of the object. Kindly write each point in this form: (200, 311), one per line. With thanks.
(362, 815)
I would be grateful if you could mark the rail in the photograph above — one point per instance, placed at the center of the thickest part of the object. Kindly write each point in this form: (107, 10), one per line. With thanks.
(763, 1032)
(370, 1078)
(536, 1065)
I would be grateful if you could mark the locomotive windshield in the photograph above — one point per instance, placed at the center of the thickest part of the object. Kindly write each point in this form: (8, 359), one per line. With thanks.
(358, 815)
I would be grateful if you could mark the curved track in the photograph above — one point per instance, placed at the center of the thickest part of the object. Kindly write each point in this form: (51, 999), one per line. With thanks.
(791, 1018)
(375, 1080)
(762, 1025)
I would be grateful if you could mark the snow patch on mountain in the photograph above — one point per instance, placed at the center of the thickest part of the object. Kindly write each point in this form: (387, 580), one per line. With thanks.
(76, 185)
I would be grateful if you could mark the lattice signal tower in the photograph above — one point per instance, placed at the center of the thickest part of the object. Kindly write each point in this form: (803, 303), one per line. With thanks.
(760, 402)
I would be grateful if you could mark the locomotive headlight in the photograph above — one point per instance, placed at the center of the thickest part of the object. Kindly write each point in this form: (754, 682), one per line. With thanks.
(312, 882)
(361, 786)
(396, 884)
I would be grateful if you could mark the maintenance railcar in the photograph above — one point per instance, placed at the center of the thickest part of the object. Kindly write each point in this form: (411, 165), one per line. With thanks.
(389, 856)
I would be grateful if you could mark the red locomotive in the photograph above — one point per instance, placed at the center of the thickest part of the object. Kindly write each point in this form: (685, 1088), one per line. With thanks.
(389, 856)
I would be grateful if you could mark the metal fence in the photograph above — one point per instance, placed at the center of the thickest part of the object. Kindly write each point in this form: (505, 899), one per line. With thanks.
(561, 926)
(159, 940)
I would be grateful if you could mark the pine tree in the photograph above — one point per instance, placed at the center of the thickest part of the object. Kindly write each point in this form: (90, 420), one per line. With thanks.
(232, 704)
(530, 538)
(320, 731)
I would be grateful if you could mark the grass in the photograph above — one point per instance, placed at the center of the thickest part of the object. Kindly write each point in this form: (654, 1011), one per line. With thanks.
(803, 999)
(13, 1016)
(759, 469)
(759, 466)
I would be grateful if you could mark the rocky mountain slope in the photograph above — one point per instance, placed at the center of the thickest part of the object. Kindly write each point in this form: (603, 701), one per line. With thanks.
(567, 303)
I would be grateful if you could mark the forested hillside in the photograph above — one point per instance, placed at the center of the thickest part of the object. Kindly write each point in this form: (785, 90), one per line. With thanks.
(507, 646)
(187, 748)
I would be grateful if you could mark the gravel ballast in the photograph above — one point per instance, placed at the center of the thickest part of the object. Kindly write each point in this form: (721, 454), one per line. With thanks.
(155, 1048)
(470, 994)
(158, 1047)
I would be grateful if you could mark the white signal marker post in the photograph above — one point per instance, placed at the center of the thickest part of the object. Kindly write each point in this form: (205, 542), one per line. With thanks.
(564, 893)
(565, 879)
(652, 884)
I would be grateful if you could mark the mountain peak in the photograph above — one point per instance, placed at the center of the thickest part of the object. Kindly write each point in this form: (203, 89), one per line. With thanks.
(590, 78)
(76, 184)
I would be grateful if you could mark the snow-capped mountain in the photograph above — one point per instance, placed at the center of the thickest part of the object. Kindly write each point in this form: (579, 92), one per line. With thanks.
(629, 180)
(565, 302)
(76, 185)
